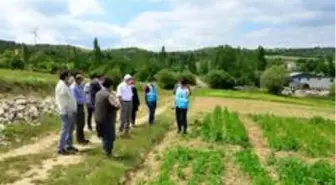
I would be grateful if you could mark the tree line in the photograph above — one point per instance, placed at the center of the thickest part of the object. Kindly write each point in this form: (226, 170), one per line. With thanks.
(222, 66)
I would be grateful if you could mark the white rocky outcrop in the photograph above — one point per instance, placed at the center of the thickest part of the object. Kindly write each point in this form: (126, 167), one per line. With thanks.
(24, 109)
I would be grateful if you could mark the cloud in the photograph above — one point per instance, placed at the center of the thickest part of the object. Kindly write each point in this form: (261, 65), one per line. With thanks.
(187, 24)
(81, 7)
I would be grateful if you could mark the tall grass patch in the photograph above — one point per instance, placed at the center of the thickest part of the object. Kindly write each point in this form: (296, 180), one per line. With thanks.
(295, 172)
(259, 95)
(222, 125)
(18, 81)
(249, 163)
(21, 133)
(313, 137)
(193, 167)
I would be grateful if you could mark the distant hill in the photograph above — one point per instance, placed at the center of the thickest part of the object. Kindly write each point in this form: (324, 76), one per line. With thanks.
(243, 65)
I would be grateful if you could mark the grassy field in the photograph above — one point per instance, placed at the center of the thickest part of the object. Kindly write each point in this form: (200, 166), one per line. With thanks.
(314, 137)
(222, 126)
(17, 81)
(21, 133)
(321, 102)
(189, 166)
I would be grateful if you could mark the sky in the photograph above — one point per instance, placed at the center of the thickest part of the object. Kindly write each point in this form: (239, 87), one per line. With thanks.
(176, 24)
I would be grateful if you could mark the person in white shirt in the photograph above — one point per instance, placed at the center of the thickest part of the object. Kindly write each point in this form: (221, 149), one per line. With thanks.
(125, 95)
(67, 108)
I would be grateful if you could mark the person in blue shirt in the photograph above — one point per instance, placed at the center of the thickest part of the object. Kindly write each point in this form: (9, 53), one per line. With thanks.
(151, 99)
(182, 94)
(77, 91)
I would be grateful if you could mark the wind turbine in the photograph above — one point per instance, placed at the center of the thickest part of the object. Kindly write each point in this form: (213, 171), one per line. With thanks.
(35, 34)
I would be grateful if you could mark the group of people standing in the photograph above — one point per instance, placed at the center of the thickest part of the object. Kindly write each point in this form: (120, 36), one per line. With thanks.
(79, 103)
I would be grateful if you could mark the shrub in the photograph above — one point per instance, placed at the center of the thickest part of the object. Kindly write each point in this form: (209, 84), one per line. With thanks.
(17, 64)
(219, 79)
(273, 79)
(188, 76)
(166, 79)
(115, 75)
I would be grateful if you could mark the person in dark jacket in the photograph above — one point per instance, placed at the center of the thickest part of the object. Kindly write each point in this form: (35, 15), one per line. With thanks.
(95, 86)
(106, 106)
(135, 101)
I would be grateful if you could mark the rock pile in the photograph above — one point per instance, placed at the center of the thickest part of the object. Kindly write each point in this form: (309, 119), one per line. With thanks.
(24, 109)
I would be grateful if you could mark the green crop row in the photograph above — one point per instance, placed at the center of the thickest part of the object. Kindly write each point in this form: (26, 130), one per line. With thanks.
(249, 164)
(191, 166)
(223, 126)
(314, 137)
(295, 172)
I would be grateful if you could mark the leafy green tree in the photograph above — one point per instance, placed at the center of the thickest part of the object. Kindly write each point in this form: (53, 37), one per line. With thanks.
(187, 75)
(166, 79)
(192, 63)
(219, 79)
(163, 56)
(97, 52)
(16, 63)
(203, 67)
(274, 79)
(331, 66)
(25, 54)
(262, 63)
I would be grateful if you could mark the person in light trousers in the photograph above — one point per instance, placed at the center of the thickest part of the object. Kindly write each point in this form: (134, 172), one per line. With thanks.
(125, 95)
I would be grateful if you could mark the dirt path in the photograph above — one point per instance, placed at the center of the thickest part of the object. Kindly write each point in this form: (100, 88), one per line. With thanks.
(34, 148)
(41, 172)
(306, 159)
(234, 176)
(151, 164)
(201, 83)
(259, 144)
(47, 141)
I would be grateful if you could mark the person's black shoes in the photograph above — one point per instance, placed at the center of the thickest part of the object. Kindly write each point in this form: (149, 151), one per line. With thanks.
(63, 152)
(72, 150)
(84, 142)
(68, 151)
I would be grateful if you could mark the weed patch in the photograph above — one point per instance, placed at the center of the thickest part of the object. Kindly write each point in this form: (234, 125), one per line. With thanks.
(222, 126)
(11, 169)
(22, 133)
(249, 164)
(314, 137)
(191, 166)
(293, 171)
